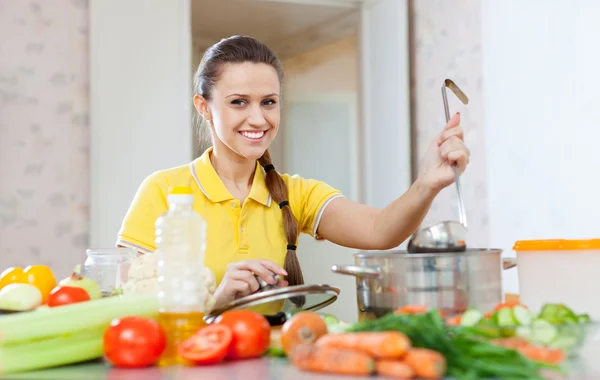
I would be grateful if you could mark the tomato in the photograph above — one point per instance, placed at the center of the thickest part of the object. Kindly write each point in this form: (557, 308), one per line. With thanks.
(134, 342)
(209, 345)
(64, 295)
(251, 333)
(12, 275)
(42, 278)
(303, 328)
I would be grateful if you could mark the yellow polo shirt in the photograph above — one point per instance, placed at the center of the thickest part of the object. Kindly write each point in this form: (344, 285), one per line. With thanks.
(235, 231)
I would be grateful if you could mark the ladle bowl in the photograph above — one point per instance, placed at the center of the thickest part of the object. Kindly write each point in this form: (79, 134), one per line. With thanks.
(446, 236)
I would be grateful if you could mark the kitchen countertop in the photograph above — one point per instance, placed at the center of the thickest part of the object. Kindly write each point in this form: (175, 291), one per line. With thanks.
(586, 367)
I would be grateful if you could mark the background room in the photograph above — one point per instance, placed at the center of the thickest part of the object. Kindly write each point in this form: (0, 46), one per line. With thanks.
(95, 95)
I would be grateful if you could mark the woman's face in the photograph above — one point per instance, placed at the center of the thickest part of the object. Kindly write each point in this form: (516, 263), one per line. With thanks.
(244, 109)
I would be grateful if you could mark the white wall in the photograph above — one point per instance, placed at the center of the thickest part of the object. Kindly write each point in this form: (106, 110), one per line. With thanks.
(140, 101)
(541, 84)
(385, 98)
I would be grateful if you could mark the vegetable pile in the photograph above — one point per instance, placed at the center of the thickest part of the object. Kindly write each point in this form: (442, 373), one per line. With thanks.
(555, 326)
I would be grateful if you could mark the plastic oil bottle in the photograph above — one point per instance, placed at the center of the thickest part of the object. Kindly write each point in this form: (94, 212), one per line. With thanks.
(182, 276)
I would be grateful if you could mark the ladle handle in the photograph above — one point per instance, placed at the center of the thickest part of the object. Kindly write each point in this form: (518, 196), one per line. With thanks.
(462, 214)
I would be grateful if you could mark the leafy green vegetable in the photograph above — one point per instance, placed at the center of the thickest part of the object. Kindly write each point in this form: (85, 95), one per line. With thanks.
(468, 353)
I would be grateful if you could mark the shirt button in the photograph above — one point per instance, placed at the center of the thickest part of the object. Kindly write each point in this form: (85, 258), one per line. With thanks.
(233, 204)
(241, 228)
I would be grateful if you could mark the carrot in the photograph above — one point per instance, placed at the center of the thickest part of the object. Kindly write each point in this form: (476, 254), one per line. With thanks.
(508, 304)
(454, 321)
(426, 363)
(314, 358)
(542, 354)
(512, 343)
(395, 369)
(412, 309)
(378, 345)
(533, 352)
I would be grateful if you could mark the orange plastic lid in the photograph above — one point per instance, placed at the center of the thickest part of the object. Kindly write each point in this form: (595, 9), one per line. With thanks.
(556, 245)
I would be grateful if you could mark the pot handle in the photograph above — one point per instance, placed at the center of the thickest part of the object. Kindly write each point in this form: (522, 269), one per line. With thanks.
(509, 262)
(357, 271)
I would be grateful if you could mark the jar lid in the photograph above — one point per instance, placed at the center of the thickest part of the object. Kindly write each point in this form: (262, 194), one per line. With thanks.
(296, 298)
(556, 245)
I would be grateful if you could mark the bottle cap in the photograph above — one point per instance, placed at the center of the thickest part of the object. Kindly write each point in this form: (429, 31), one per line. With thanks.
(180, 195)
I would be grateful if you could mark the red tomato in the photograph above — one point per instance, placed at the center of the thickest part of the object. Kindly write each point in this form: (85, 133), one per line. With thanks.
(251, 333)
(64, 295)
(209, 345)
(134, 342)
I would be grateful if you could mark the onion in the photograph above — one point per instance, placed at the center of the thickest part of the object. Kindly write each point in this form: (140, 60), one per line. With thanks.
(20, 297)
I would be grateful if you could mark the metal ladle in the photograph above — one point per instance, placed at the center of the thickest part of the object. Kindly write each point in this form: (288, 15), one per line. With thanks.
(448, 236)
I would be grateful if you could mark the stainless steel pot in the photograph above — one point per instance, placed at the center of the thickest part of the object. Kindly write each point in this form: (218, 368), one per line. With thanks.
(451, 282)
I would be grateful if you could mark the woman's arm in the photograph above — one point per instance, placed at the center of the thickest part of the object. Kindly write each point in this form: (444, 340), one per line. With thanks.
(359, 226)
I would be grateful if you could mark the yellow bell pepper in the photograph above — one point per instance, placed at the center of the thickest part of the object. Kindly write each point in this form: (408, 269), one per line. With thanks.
(40, 276)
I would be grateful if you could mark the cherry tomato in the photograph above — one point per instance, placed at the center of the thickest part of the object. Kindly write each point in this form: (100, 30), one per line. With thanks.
(42, 278)
(65, 295)
(251, 333)
(134, 342)
(209, 345)
(12, 275)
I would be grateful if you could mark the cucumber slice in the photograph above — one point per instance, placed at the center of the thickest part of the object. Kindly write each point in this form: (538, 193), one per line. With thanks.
(543, 332)
(523, 332)
(471, 317)
(522, 316)
(505, 317)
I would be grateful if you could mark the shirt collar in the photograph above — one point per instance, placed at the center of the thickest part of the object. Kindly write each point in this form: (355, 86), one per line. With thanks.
(213, 188)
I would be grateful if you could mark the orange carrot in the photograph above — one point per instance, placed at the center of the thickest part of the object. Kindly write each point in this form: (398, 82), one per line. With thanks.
(508, 304)
(313, 358)
(395, 369)
(412, 309)
(512, 343)
(454, 321)
(427, 364)
(378, 345)
(533, 352)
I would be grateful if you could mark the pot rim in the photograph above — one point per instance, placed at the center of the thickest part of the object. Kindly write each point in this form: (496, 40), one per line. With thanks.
(404, 254)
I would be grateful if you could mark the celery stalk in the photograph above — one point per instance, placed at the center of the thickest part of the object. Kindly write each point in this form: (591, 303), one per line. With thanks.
(57, 321)
(55, 341)
(51, 353)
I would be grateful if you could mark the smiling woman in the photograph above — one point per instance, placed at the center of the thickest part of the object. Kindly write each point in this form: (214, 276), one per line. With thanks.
(238, 94)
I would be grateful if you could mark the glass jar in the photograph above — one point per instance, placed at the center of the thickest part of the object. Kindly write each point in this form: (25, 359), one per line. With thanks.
(109, 267)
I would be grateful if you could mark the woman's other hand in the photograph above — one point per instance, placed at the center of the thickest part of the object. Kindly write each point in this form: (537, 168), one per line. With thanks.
(447, 150)
(239, 280)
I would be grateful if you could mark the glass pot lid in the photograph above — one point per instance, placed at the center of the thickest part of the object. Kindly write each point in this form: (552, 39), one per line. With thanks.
(294, 298)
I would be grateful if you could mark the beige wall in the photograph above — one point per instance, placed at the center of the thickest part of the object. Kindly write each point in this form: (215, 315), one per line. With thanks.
(44, 150)
(446, 43)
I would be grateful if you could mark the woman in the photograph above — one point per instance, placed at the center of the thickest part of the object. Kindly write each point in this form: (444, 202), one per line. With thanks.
(254, 214)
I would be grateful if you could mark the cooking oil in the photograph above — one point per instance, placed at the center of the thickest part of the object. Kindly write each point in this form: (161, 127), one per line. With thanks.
(184, 282)
(178, 327)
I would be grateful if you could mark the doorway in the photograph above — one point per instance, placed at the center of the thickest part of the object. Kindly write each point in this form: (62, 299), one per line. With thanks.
(318, 46)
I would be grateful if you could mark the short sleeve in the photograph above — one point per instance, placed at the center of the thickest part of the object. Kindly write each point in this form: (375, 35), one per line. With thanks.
(150, 202)
(310, 198)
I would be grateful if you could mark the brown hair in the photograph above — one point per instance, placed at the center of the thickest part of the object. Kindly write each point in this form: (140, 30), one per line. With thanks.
(240, 49)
